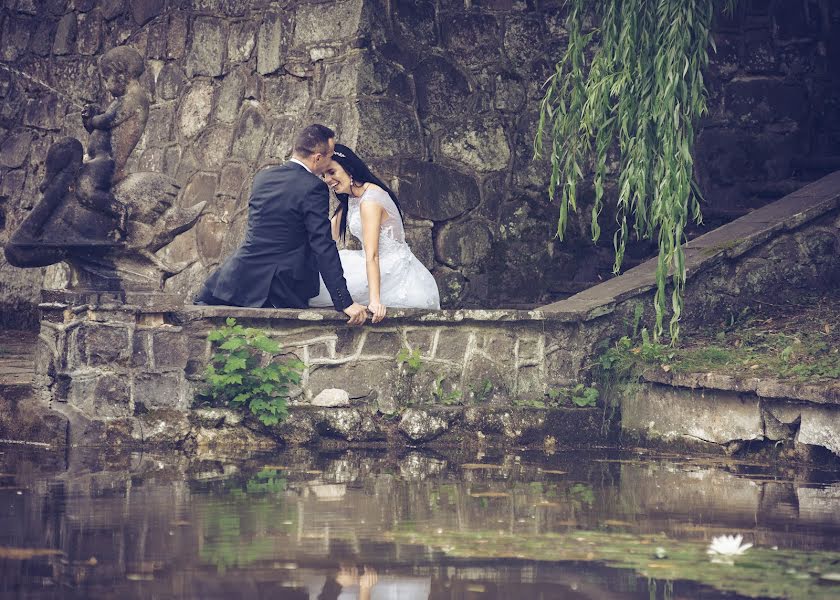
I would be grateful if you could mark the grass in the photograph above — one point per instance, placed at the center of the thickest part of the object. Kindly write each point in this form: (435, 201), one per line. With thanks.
(799, 343)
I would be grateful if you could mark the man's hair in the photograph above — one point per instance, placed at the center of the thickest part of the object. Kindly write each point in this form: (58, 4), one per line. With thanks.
(313, 139)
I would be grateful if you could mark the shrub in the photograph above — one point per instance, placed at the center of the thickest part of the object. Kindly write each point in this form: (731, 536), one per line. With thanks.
(245, 371)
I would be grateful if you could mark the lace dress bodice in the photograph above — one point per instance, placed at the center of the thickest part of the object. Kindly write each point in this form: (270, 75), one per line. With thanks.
(391, 227)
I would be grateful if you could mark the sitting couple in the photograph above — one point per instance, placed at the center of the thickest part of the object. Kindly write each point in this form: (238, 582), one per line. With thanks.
(290, 240)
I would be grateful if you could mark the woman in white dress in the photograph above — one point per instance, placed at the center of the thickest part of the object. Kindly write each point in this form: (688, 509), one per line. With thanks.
(385, 272)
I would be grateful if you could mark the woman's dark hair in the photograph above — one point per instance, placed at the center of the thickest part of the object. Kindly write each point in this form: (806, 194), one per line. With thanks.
(360, 173)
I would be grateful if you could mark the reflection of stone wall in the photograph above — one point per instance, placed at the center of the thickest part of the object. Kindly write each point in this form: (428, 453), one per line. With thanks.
(442, 97)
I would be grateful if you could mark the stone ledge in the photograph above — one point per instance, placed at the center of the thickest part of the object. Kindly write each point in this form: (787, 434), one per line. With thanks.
(316, 315)
(729, 241)
(824, 393)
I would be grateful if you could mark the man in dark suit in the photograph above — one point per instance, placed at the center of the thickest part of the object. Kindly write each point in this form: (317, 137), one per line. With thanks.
(288, 240)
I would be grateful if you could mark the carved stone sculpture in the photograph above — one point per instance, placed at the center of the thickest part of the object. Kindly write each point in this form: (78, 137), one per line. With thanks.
(104, 223)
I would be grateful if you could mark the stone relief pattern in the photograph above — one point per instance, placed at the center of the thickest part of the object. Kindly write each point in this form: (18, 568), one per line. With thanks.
(443, 102)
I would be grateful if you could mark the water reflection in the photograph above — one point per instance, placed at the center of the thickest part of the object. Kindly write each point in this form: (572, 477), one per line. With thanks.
(306, 525)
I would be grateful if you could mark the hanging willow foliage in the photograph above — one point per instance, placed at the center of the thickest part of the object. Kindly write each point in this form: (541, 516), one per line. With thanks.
(641, 91)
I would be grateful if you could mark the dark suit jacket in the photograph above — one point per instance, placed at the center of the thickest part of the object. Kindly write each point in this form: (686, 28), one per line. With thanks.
(288, 237)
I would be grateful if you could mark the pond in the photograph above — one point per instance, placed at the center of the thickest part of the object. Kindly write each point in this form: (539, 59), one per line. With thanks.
(411, 526)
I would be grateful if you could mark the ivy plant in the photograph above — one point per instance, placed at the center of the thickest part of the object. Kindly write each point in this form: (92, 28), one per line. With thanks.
(632, 85)
(245, 372)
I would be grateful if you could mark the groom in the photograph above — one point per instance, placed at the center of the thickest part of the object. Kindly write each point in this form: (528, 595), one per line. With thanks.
(288, 240)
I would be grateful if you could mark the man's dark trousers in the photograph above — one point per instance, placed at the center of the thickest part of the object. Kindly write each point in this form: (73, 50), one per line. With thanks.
(287, 243)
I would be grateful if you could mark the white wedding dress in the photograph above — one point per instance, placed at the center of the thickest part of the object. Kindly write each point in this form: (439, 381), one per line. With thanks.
(404, 281)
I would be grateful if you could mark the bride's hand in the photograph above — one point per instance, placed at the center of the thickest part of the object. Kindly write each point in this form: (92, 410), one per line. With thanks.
(378, 311)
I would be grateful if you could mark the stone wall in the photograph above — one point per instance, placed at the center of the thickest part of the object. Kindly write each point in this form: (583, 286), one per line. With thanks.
(441, 97)
(131, 371)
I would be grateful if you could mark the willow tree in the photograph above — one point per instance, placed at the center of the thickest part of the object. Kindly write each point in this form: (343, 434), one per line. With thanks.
(633, 83)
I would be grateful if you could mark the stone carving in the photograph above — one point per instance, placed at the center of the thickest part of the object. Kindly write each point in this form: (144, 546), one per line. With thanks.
(104, 223)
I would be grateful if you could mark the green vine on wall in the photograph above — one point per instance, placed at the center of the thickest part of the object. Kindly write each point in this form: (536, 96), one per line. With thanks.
(641, 92)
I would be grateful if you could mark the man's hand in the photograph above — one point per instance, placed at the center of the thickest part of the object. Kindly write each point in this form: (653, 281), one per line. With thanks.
(357, 314)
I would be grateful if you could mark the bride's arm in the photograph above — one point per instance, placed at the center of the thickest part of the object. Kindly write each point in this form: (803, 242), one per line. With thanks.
(335, 222)
(371, 213)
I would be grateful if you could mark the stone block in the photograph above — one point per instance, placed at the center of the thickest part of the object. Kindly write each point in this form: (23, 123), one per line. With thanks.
(349, 342)
(15, 35)
(98, 396)
(65, 35)
(510, 93)
(111, 9)
(332, 397)
(345, 423)
(286, 95)
(452, 345)
(382, 343)
(250, 133)
(140, 350)
(421, 339)
(12, 186)
(297, 430)
(273, 42)
(209, 38)
(176, 39)
(451, 285)
(89, 33)
(472, 38)
(162, 428)
(160, 390)
(241, 41)
(463, 243)
(672, 414)
(441, 88)
(766, 100)
(198, 355)
(482, 372)
(170, 82)
(559, 366)
(194, 112)
(416, 23)
(391, 129)
(213, 147)
(156, 45)
(233, 178)
(15, 149)
(530, 349)
(418, 235)
(44, 113)
(159, 125)
(430, 191)
(143, 11)
(315, 24)
(103, 345)
(42, 39)
(169, 349)
(202, 186)
(422, 426)
(229, 96)
(360, 379)
(478, 143)
(518, 41)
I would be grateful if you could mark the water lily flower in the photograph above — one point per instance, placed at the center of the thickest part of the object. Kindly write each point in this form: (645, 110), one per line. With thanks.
(728, 545)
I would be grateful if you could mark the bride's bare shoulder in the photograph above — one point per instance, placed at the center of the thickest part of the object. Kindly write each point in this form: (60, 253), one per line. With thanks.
(375, 189)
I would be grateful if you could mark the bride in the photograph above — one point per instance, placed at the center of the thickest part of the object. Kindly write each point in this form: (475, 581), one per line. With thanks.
(385, 272)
